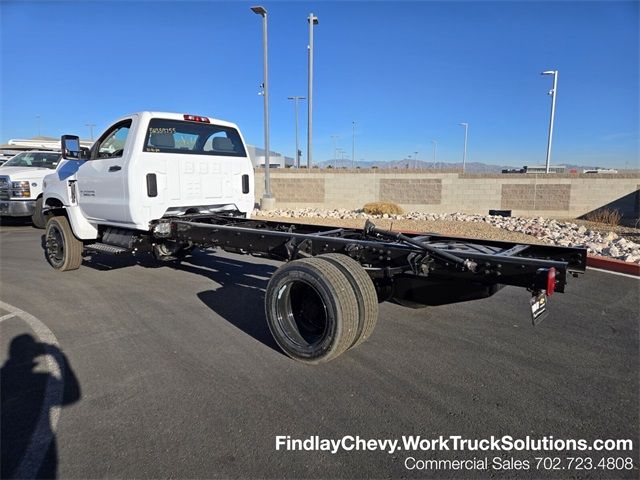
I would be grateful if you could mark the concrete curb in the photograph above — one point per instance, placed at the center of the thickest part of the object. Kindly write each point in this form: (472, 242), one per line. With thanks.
(604, 263)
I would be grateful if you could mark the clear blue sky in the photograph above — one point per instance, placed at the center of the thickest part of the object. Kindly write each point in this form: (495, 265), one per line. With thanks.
(406, 72)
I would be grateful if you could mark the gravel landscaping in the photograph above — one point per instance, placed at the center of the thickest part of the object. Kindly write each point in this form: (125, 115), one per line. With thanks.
(600, 241)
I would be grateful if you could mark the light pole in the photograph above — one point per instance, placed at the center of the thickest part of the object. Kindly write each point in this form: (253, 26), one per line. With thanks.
(464, 155)
(435, 148)
(267, 201)
(334, 137)
(353, 146)
(295, 99)
(552, 92)
(313, 20)
(90, 125)
(415, 160)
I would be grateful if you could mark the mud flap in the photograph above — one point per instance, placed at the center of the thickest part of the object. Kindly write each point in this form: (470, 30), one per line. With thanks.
(538, 307)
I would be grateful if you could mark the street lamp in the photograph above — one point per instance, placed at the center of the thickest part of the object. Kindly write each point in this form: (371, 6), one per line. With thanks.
(295, 99)
(464, 155)
(90, 125)
(435, 148)
(353, 145)
(552, 92)
(415, 158)
(313, 20)
(267, 201)
(335, 154)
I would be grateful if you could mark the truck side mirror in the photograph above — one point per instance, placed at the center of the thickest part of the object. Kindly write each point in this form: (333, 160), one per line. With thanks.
(70, 147)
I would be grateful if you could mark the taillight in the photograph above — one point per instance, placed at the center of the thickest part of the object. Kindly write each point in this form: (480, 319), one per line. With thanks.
(551, 281)
(196, 118)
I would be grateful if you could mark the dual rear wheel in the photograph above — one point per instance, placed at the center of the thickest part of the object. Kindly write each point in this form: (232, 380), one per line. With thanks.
(317, 308)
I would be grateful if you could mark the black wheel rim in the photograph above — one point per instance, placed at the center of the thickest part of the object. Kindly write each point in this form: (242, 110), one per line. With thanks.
(301, 313)
(55, 245)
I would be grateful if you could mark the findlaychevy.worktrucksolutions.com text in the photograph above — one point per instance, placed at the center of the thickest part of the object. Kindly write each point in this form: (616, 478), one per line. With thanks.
(505, 443)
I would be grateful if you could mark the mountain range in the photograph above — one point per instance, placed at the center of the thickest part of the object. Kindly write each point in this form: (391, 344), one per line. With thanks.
(470, 167)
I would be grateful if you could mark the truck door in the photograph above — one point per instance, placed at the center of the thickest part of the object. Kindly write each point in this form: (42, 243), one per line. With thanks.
(101, 179)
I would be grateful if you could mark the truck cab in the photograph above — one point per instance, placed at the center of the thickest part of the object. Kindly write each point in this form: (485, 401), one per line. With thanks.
(150, 165)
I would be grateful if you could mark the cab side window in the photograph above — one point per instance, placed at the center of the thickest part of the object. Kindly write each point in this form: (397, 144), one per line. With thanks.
(111, 144)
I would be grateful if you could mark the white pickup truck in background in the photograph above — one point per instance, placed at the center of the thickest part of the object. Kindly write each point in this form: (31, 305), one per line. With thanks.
(21, 181)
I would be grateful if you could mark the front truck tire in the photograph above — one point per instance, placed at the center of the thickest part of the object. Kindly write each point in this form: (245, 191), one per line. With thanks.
(311, 310)
(364, 291)
(37, 218)
(62, 249)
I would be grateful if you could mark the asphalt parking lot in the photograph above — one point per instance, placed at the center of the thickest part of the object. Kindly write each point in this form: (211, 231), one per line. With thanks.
(172, 372)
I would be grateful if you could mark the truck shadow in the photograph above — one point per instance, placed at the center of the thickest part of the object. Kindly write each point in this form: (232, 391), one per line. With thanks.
(16, 222)
(239, 299)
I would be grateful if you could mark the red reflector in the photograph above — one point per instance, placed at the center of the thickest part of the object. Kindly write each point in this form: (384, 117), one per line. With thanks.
(551, 281)
(196, 118)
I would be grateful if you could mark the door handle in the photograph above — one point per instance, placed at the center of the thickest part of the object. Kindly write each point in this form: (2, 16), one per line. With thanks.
(115, 168)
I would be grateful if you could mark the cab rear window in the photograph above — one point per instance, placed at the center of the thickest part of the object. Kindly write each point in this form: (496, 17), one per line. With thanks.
(176, 136)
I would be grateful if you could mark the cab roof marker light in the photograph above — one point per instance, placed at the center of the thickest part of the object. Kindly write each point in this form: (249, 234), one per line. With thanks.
(196, 118)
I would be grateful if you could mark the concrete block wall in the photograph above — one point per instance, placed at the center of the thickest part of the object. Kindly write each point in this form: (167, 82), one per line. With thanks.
(562, 196)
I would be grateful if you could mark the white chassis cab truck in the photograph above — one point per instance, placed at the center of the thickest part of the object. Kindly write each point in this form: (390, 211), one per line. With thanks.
(144, 167)
(168, 183)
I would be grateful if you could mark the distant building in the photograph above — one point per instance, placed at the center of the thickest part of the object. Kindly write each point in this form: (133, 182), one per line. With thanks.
(17, 145)
(276, 160)
(600, 170)
(543, 169)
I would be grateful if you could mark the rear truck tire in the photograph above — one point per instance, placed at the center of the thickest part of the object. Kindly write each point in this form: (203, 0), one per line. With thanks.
(37, 218)
(364, 291)
(62, 249)
(311, 310)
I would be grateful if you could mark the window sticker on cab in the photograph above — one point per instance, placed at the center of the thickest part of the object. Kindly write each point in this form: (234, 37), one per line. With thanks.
(162, 130)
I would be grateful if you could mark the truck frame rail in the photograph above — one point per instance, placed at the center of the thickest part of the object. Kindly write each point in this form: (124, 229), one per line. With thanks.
(384, 254)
